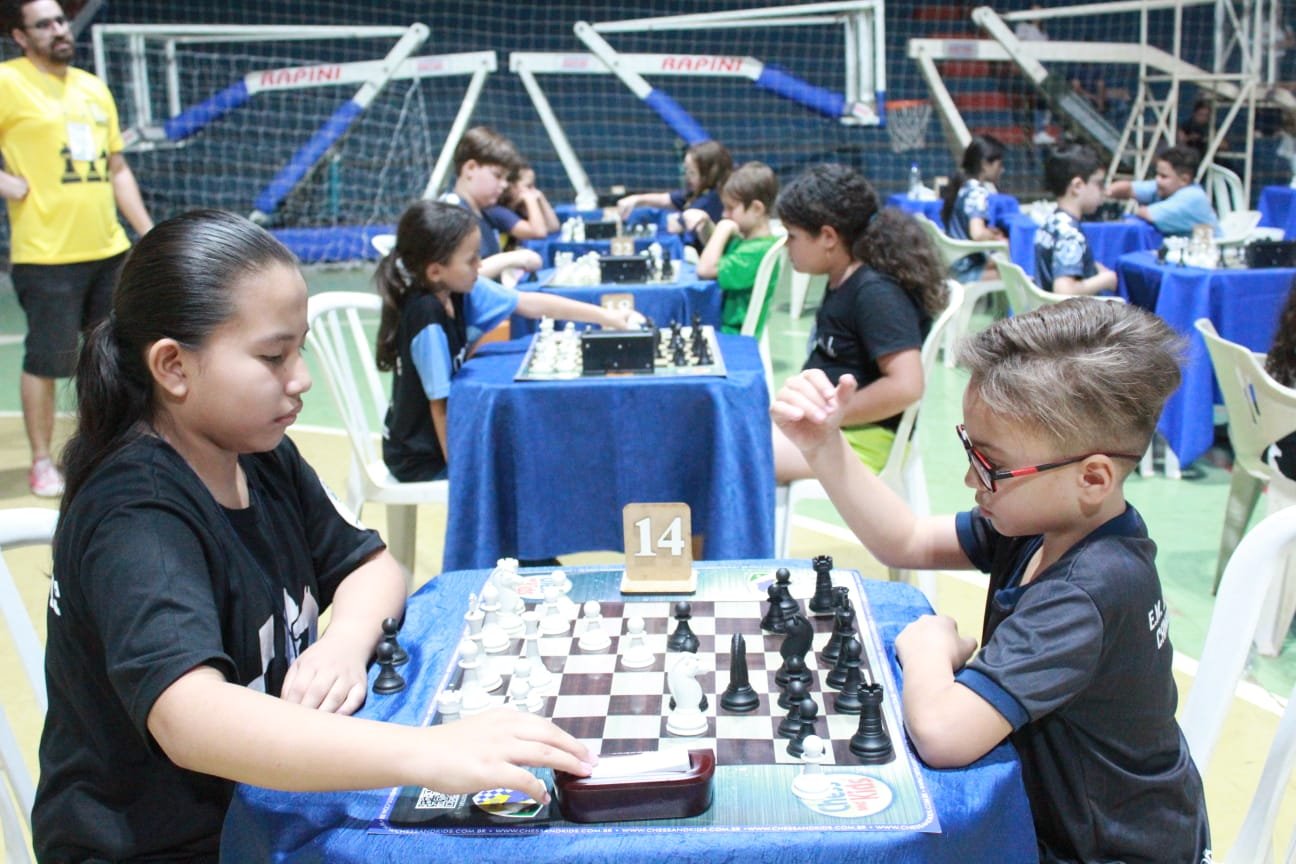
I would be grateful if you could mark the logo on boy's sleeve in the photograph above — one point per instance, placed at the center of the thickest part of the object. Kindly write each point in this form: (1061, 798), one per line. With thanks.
(54, 598)
(1159, 622)
(1069, 251)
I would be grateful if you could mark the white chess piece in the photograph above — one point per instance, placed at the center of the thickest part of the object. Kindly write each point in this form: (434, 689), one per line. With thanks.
(553, 622)
(448, 704)
(473, 696)
(637, 654)
(493, 638)
(593, 637)
(541, 678)
(811, 782)
(566, 605)
(686, 718)
(474, 618)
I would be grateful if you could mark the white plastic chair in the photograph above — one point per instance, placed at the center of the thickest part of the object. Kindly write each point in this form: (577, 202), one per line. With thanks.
(1260, 411)
(1025, 296)
(903, 470)
(339, 340)
(950, 251)
(1250, 572)
(774, 257)
(1224, 188)
(1237, 227)
(20, 527)
(1254, 841)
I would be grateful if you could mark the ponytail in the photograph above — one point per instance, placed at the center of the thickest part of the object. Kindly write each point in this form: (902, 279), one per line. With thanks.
(895, 245)
(390, 284)
(113, 402)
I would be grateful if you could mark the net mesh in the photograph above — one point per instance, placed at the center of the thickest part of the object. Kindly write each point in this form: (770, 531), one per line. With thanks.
(386, 158)
(906, 125)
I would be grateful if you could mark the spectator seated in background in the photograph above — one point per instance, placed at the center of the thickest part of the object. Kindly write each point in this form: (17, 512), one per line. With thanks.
(1064, 263)
(1174, 202)
(706, 167)
(966, 212)
(739, 242)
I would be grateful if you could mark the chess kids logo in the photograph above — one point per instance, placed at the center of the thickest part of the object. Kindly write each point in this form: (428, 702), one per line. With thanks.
(850, 796)
(509, 803)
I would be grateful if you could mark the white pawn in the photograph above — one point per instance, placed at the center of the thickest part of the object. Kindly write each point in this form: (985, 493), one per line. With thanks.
(553, 622)
(593, 637)
(522, 695)
(493, 638)
(448, 704)
(812, 782)
(636, 655)
(566, 605)
(473, 696)
(686, 718)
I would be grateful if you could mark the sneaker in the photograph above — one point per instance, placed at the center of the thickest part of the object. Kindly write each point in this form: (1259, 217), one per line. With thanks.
(45, 480)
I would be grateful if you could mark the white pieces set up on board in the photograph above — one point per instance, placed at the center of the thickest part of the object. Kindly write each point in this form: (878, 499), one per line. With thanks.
(555, 350)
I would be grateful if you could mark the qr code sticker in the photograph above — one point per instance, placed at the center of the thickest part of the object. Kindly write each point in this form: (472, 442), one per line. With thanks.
(432, 800)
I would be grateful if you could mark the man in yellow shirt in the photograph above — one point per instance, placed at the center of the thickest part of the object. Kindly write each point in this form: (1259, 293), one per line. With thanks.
(64, 179)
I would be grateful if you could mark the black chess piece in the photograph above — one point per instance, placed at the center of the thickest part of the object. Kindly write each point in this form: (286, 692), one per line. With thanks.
(704, 357)
(678, 357)
(822, 601)
(836, 676)
(683, 638)
(871, 743)
(389, 680)
(800, 633)
(848, 698)
(390, 627)
(843, 629)
(773, 621)
(809, 713)
(792, 669)
(739, 695)
(792, 693)
(783, 578)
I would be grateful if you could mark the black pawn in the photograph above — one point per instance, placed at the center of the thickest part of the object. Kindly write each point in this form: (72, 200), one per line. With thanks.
(822, 601)
(390, 627)
(871, 743)
(773, 622)
(704, 357)
(783, 578)
(809, 711)
(683, 638)
(848, 700)
(739, 695)
(389, 680)
(837, 675)
(791, 696)
(793, 669)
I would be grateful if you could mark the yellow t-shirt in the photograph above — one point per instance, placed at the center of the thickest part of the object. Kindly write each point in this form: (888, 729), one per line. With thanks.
(57, 134)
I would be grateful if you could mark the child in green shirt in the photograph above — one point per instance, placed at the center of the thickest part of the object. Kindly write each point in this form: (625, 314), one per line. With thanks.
(739, 241)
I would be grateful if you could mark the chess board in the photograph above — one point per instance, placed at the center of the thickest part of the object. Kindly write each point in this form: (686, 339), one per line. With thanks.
(555, 355)
(617, 710)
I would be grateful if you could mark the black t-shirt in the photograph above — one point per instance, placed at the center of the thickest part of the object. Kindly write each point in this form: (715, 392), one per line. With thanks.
(866, 317)
(152, 578)
(1078, 661)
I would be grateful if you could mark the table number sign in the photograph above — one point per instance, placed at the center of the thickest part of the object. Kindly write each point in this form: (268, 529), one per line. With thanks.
(659, 549)
(622, 246)
(617, 302)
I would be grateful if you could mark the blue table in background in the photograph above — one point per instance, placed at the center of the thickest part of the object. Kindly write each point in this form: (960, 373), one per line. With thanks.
(1276, 210)
(1001, 206)
(661, 301)
(982, 809)
(1108, 240)
(1242, 304)
(543, 468)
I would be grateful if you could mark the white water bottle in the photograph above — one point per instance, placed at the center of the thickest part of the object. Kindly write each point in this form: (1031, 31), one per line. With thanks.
(915, 181)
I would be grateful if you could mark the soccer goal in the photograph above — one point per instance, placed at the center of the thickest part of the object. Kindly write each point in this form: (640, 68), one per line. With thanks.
(324, 134)
(760, 80)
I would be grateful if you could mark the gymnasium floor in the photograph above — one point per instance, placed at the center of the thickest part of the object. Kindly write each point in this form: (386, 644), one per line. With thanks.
(1184, 517)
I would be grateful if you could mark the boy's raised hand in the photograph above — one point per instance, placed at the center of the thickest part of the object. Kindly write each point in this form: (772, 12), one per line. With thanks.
(809, 409)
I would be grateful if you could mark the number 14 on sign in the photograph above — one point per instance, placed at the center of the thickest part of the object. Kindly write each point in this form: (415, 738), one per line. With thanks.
(658, 543)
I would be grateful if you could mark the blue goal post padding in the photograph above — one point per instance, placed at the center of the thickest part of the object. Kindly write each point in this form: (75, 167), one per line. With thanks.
(336, 243)
(791, 87)
(213, 108)
(676, 117)
(305, 158)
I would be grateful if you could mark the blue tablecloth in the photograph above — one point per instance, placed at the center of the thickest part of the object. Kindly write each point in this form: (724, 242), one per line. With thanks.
(543, 468)
(663, 302)
(1276, 210)
(672, 246)
(1001, 206)
(982, 809)
(1242, 304)
(1108, 240)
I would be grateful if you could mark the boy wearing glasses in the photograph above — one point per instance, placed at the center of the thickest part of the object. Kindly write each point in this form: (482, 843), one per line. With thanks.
(1075, 661)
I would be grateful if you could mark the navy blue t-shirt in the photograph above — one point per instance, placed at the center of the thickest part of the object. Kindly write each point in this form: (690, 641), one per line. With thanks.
(1078, 661)
(1061, 249)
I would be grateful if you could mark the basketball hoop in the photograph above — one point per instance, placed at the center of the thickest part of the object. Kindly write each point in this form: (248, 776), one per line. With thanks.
(906, 123)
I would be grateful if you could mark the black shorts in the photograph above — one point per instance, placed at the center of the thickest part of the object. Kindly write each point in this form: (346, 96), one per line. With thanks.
(61, 301)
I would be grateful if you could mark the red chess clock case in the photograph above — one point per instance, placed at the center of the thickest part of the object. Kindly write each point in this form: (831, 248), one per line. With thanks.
(629, 799)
